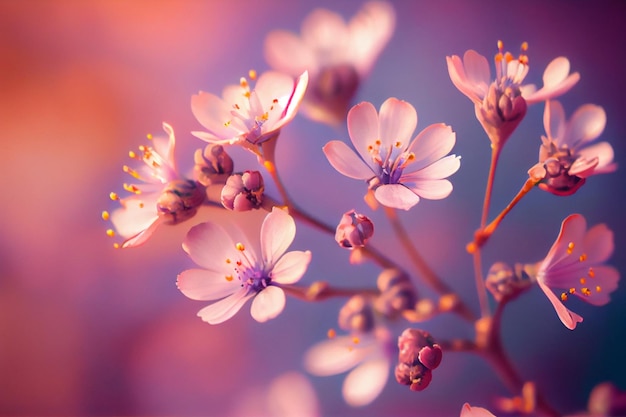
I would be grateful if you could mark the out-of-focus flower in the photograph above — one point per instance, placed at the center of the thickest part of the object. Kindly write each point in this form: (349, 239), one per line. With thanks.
(338, 56)
(397, 169)
(369, 354)
(354, 230)
(233, 274)
(243, 191)
(524, 404)
(212, 165)
(565, 157)
(469, 411)
(357, 315)
(500, 104)
(418, 356)
(575, 264)
(164, 197)
(246, 116)
(607, 400)
(397, 294)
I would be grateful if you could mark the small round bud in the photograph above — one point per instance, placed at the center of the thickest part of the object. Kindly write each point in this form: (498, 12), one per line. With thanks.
(354, 230)
(396, 293)
(418, 346)
(212, 165)
(417, 377)
(356, 315)
(180, 200)
(243, 191)
(504, 282)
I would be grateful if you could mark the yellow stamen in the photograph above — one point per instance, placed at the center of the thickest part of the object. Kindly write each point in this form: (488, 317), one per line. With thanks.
(398, 144)
(586, 291)
(114, 196)
(243, 82)
(247, 94)
(110, 233)
(331, 333)
(582, 257)
(355, 340)
(583, 281)
(132, 154)
(105, 215)
(524, 46)
(591, 273)
(598, 288)
(130, 171)
(572, 290)
(229, 278)
(570, 248)
(564, 297)
(149, 136)
(116, 245)
(132, 189)
(240, 247)
(228, 261)
(141, 205)
(227, 123)
(252, 74)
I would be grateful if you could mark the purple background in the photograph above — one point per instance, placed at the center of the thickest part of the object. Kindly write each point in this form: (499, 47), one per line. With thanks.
(87, 330)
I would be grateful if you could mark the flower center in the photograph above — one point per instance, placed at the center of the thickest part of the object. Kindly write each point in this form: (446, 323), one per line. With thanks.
(252, 277)
(509, 70)
(586, 282)
(391, 161)
(557, 167)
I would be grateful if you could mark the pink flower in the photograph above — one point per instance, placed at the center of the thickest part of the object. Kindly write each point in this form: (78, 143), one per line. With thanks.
(399, 170)
(249, 117)
(370, 356)
(575, 264)
(500, 105)
(233, 273)
(469, 411)
(164, 197)
(565, 157)
(337, 55)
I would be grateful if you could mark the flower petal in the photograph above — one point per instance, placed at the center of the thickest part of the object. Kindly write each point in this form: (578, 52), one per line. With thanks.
(431, 189)
(603, 283)
(470, 75)
(431, 144)
(396, 196)
(325, 31)
(586, 124)
(268, 303)
(212, 112)
(346, 161)
(277, 232)
(604, 152)
(209, 246)
(440, 169)
(363, 127)
(572, 231)
(554, 121)
(201, 284)
(397, 122)
(366, 382)
(334, 356)
(568, 318)
(290, 267)
(224, 309)
(469, 411)
(287, 53)
(556, 81)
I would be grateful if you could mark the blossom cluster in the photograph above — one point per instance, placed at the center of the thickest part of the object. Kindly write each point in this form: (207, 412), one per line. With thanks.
(318, 74)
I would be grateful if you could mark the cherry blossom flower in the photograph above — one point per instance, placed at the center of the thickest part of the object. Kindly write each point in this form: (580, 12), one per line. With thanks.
(337, 55)
(500, 104)
(565, 157)
(249, 117)
(233, 273)
(164, 197)
(575, 264)
(469, 411)
(397, 169)
(368, 356)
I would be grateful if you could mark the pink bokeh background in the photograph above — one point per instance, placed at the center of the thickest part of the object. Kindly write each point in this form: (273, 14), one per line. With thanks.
(89, 330)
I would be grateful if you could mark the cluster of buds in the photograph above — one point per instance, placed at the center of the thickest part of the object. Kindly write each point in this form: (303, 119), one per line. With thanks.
(243, 191)
(418, 356)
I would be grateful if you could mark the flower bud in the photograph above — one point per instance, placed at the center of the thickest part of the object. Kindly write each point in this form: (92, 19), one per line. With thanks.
(501, 112)
(213, 165)
(354, 230)
(243, 191)
(418, 346)
(553, 172)
(417, 377)
(504, 282)
(396, 293)
(180, 200)
(356, 315)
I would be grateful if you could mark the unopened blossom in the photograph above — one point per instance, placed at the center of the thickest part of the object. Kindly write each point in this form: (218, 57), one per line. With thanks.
(162, 196)
(399, 171)
(233, 273)
(357, 315)
(504, 282)
(566, 157)
(500, 104)
(249, 116)
(243, 191)
(354, 230)
(212, 165)
(367, 356)
(469, 411)
(337, 55)
(575, 267)
(397, 293)
(418, 356)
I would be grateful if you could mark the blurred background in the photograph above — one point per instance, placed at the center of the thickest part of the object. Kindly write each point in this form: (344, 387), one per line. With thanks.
(89, 330)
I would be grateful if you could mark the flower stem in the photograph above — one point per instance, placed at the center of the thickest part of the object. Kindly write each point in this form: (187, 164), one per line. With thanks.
(424, 269)
(495, 156)
(321, 290)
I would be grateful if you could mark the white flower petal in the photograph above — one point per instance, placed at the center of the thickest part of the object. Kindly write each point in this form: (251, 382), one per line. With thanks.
(604, 152)
(268, 303)
(290, 267)
(397, 122)
(572, 230)
(366, 382)
(363, 127)
(585, 125)
(346, 161)
(287, 53)
(431, 144)
(224, 309)
(326, 33)
(554, 121)
(213, 113)
(396, 196)
(568, 317)
(431, 189)
(440, 169)
(335, 356)
(369, 31)
(202, 284)
(277, 232)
